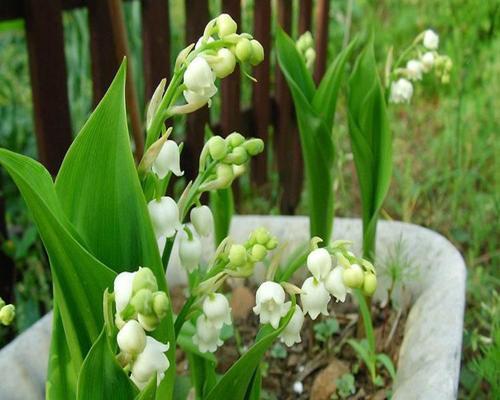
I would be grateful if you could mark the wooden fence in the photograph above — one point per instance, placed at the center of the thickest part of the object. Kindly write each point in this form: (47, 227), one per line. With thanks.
(271, 102)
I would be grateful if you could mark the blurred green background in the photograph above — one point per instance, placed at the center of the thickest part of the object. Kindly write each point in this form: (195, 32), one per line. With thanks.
(445, 151)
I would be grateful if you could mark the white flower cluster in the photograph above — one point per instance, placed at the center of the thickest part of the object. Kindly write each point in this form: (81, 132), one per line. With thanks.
(218, 51)
(216, 313)
(315, 292)
(427, 59)
(139, 309)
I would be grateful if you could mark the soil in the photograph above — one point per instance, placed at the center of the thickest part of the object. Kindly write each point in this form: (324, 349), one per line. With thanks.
(309, 370)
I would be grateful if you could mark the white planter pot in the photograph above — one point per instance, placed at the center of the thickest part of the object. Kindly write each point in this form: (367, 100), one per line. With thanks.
(429, 361)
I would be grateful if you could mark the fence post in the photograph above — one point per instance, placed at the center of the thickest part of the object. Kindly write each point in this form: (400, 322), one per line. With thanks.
(44, 34)
(322, 11)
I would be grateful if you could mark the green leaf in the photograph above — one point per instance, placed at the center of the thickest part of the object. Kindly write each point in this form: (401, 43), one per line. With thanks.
(222, 206)
(149, 392)
(79, 278)
(371, 141)
(315, 137)
(235, 383)
(361, 348)
(387, 363)
(101, 376)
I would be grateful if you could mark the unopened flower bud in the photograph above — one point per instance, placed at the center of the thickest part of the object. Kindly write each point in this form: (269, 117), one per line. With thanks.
(142, 302)
(237, 255)
(261, 236)
(7, 314)
(243, 49)
(238, 156)
(334, 283)
(225, 176)
(148, 322)
(190, 250)
(353, 276)
(257, 52)
(202, 220)
(238, 170)
(131, 338)
(123, 289)
(369, 284)
(431, 39)
(226, 25)
(272, 243)
(291, 333)
(270, 303)
(217, 148)
(160, 304)
(217, 310)
(168, 160)
(314, 297)
(235, 139)
(445, 79)
(224, 64)
(164, 215)
(259, 252)
(254, 146)
(319, 263)
(144, 279)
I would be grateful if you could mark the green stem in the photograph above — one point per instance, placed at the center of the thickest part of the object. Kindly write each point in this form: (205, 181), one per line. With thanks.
(367, 323)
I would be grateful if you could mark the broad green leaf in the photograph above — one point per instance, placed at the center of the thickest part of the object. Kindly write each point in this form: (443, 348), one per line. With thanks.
(149, 392)
(101, 377)
(234, 384)
(100, 192)
(371, 141)
(79, 278)
(222, 206)
(315, 137)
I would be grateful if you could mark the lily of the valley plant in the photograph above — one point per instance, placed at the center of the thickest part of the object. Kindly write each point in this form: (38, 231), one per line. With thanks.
(109, 230)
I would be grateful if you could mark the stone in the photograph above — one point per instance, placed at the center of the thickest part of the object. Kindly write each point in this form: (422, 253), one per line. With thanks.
(324, 384)
(242, 302)
(429, 357)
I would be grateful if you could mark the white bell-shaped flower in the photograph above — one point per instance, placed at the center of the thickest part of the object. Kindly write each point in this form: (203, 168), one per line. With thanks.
(123, 289)
(217, 310)
(270, 303)
(291, 333)
(200, 82)
(202, 220)
(401, 91)
(314, 297)
(334, 283)
(428, 60)
(190, 250)
(168, 160)
(431, 40)
(207, 335)
(151, 361)
(319, 263)
(131, 338)
(164, 215)
(414, 70)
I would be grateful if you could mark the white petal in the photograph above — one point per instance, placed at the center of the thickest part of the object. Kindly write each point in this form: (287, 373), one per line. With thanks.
(168, 160)
(123, 289)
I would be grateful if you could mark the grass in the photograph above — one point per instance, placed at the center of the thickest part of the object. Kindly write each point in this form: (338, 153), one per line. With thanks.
(446, 148)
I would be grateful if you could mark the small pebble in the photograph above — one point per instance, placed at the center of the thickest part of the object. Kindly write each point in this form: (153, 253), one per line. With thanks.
(298, 387)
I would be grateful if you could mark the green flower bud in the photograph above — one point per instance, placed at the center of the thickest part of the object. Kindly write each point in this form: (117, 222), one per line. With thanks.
(237, 255)
(262, 236)
(217, 148)
(353, 276)
(225, 176)
(227, 25)
(148, 322)
(369, 284)
(160, 304)
(235, 139)
(144, 279)
(259, 252)
(142, 301)
(238, 156)
(7, 314)
(257, 52)
(243, 50)
(224, 64)
(272, 243)
(254, 146)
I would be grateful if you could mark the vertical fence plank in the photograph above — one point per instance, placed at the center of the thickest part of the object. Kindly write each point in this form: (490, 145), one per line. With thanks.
(231, 86)
(261, 93)
(322, 12)
(8, 268)
(305, 16)
(197, 16)
(287, 141)
(108, 37)
(48, 74)
(155, 43)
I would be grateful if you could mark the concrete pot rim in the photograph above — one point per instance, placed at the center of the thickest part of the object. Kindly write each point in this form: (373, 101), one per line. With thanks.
(429, 361)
